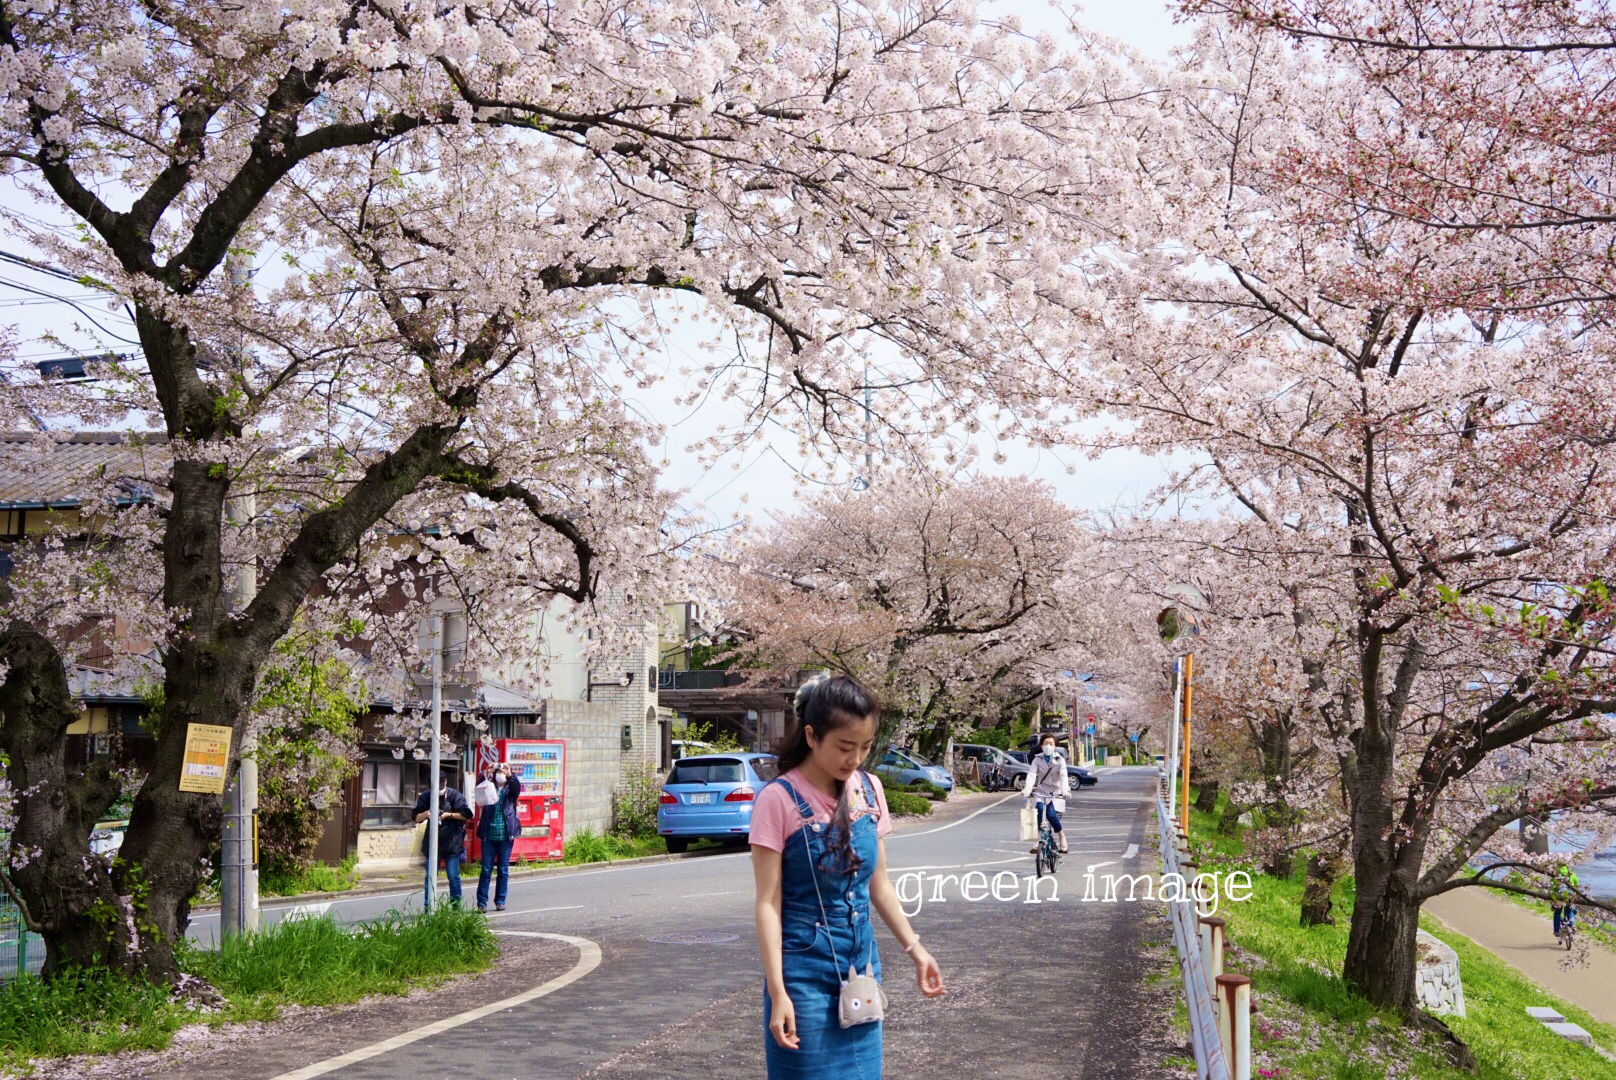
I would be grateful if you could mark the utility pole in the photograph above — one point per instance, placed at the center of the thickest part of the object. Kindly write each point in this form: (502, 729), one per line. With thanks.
(432, 799)
(1172, 753)
(238, 855)
(446, 631)
(238, 868)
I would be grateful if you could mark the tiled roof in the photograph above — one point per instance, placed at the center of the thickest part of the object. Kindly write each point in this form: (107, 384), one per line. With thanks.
(50, 469)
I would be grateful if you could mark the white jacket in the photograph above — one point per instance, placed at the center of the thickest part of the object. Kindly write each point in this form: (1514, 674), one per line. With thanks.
(1048, 772)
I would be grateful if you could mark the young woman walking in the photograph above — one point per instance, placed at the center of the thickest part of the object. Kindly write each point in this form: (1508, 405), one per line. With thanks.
(820, 866)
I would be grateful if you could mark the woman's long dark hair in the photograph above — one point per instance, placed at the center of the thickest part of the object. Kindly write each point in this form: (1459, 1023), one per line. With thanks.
(826, 703)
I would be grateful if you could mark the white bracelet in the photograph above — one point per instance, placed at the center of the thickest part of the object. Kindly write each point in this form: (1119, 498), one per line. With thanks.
(911, 947)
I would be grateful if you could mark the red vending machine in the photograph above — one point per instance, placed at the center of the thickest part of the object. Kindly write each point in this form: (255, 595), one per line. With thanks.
(540, 764)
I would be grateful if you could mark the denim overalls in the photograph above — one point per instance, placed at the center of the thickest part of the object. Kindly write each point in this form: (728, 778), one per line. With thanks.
(827, 1050)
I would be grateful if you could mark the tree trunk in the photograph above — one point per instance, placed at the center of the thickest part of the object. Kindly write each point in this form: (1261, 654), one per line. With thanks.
(68, 893)
(1322, 871)
(1381, 954)
(1229, 823)
(1206, 795)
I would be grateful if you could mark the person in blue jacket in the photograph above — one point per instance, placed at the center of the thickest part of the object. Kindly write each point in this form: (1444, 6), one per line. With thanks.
(497, 830)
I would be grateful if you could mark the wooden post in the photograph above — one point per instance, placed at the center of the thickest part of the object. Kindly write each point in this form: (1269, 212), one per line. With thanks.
(1234, 1024)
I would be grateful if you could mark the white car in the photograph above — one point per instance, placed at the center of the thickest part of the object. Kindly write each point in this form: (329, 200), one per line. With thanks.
(683, 748)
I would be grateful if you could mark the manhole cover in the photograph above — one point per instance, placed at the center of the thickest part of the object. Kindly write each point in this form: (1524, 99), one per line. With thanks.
(693, 937)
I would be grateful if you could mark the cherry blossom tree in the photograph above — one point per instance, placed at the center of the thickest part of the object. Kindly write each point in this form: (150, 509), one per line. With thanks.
(1441, 479)
(953, 599)
(478, 217)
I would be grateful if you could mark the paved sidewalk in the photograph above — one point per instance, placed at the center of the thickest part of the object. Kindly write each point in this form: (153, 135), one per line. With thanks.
(1525, 941)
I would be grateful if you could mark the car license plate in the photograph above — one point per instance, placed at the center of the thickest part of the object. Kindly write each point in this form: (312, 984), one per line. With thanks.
(699, 797)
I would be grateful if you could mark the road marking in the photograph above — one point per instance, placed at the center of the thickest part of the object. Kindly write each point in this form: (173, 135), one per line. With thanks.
(906, 835)
(306, 911)
(727, 892)
(588, 960)
(955, 866)
(1098, 865)
(1132, 852)
(531, 911)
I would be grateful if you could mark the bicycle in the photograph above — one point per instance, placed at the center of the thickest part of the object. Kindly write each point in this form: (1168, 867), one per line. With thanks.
(1567, 934)
(1046, 856)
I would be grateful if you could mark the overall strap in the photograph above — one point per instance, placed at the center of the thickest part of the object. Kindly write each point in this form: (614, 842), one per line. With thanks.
(869, 794)
(802, 806)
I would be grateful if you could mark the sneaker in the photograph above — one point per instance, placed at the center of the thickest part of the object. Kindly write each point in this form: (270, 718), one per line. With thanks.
(499, 907)
(481, 910)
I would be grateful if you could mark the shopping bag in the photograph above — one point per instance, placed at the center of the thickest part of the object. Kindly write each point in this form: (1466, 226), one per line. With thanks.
(486, 794)
(1060, 804)
(418, 841)
(1029, 824)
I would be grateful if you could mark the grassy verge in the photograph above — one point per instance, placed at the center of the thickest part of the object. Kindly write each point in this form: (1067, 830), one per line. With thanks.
(1311, 1024)
(318, 878)
(302, 962)
(592, 847)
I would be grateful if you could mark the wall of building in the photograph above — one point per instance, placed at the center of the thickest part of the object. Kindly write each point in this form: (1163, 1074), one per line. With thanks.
(590, 732)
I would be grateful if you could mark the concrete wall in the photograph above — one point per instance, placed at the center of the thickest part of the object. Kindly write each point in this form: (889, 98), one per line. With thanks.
(590, 731)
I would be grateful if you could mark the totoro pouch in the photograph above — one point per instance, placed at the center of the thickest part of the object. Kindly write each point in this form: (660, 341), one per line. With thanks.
(863, 1001)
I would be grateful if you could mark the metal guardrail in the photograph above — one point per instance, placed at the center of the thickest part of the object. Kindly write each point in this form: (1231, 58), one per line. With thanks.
(1210, 1063)
(20, 950)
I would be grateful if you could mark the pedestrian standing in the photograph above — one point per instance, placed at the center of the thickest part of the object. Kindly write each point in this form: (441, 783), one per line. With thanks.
(497, 829)
(820, 866)
(453, 813)
(1047, 781)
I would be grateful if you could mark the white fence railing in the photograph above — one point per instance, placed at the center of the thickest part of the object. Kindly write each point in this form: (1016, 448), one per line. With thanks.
(1211, 1063)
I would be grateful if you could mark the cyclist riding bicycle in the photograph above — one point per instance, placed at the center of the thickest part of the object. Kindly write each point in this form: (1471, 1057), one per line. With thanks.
(1046, 782)
(1562, 887)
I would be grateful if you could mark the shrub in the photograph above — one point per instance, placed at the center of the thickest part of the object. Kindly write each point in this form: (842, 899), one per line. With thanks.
(634, 807)
(903, 804)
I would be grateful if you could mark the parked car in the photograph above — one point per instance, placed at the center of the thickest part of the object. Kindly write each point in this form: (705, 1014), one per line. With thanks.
(903, 767)
(1077, 777)
(1011, 771)
(710, 797)
(683, 748)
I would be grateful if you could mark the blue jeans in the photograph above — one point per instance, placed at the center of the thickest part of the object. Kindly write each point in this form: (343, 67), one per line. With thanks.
(495, 853)
(1054, 815)
(451, 866)
(1563, 915)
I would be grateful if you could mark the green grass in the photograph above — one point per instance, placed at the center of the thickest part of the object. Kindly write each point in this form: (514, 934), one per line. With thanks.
(93, 1012)
(1311, 1024)
(302, 962)
(318, 878)
(589, 846)
(317, 962)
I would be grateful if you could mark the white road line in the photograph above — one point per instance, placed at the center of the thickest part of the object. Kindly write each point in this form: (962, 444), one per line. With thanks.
(588, 960)
(1133, 851)
(927, 832)
(702, 895)
(531, 911)
(955, 866)
(1098, 865)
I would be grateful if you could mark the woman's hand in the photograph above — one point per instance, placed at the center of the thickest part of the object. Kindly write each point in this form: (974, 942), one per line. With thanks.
(783, 1021)
(927, 973)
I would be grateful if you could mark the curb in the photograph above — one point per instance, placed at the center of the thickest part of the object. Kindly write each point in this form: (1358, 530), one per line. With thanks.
(528, 872)
(402, 887)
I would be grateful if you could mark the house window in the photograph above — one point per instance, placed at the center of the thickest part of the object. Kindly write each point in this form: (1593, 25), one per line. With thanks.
(388, 789)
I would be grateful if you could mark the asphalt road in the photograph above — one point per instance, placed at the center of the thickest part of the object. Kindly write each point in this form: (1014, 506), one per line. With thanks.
(1037, 990)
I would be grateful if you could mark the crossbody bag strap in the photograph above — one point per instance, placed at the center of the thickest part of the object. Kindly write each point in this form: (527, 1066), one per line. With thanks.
(824, 919)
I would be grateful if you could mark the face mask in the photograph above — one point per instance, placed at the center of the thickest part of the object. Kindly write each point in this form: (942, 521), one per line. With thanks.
(1049, 751)
(500, 778)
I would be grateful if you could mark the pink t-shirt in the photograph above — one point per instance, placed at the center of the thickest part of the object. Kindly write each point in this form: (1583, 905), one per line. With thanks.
(775, 815)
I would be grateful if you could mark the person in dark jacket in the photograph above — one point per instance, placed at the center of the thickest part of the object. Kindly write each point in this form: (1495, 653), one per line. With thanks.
(497, 829)
(453, 813)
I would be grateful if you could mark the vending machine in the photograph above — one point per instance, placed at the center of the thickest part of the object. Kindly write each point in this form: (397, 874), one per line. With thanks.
(541, 766)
